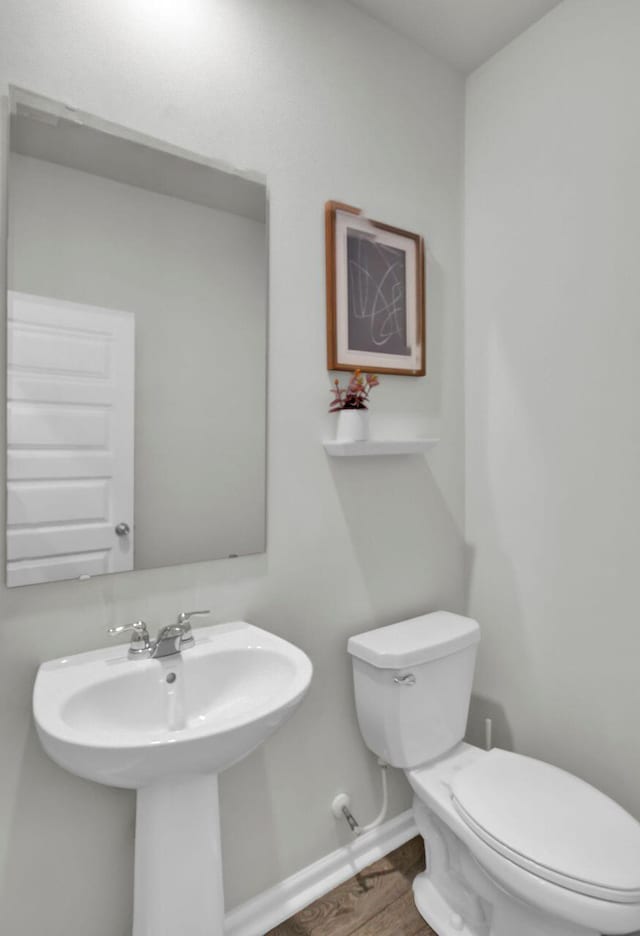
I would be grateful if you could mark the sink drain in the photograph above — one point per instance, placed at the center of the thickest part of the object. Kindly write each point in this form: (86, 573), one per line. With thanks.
(171, 677)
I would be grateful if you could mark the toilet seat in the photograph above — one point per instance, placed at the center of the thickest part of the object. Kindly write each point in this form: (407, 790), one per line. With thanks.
(551, 824)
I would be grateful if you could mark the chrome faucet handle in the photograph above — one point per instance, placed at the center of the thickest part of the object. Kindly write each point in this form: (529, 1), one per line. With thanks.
(184, 622)
(185, 616)
(140, 643)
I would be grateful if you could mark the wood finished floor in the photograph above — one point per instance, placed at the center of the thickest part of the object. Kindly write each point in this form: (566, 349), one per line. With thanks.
(376, 902)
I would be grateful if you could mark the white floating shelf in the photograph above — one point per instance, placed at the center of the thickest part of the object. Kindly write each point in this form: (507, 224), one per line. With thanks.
(380, 447)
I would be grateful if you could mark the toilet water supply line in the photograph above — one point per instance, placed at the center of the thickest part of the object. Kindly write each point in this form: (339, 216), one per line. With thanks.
(341, 804)
(343, 801)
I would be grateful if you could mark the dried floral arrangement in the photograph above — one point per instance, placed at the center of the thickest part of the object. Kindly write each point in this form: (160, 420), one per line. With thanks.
(355, 395)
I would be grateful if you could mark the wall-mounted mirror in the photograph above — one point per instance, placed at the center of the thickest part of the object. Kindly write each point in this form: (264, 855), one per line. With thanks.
(136, 352)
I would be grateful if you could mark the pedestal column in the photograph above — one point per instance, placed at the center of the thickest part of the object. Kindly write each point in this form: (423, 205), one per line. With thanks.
(178, 861)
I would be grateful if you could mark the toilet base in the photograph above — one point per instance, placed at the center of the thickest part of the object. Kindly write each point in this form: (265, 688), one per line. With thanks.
(458, 898)
(436, 911)
(446, 922)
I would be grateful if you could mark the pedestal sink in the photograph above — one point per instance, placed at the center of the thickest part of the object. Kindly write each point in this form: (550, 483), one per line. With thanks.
(166, 728)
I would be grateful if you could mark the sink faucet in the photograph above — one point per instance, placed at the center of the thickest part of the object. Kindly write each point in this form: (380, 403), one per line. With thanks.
(172, 638)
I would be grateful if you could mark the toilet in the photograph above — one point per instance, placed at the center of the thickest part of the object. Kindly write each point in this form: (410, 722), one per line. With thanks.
(515, 846)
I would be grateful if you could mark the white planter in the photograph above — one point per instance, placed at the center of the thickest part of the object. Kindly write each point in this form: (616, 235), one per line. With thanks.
(353, 425)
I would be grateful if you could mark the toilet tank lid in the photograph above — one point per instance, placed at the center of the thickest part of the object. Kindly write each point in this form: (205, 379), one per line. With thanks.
(418, 640)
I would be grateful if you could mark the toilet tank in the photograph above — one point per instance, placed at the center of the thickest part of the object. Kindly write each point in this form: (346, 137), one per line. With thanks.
(413, 686)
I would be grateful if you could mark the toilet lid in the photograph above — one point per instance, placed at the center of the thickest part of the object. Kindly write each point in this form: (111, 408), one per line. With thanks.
(552, 824)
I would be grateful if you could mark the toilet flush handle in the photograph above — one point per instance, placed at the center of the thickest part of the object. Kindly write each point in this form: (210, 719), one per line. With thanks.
(407, 680)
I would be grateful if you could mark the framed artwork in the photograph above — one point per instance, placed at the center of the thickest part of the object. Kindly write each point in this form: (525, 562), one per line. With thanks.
(375, 295)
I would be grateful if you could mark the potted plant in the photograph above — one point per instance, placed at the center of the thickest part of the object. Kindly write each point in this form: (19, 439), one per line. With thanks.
(350, 403)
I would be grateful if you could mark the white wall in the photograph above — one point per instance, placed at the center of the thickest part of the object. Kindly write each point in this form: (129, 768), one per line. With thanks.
(329, 105)
(196, 281)
(552, 350)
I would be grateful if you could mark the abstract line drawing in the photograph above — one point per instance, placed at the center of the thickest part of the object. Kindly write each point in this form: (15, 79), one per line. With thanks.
(376, 317)
(377, 295)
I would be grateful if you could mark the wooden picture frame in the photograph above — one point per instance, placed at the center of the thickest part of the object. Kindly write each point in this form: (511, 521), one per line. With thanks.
(376, 314)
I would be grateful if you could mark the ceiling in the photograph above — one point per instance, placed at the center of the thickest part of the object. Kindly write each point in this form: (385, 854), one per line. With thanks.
(465, 33)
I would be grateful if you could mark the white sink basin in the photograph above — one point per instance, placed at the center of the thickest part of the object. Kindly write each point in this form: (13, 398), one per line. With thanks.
(120, 722)
(167, 727)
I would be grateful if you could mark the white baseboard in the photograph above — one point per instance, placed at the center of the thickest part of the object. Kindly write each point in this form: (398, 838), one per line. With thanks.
(260, 914)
